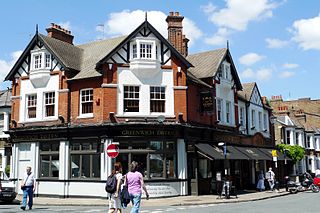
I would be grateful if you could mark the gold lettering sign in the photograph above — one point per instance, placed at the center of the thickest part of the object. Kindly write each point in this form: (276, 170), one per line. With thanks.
(206, 102)
(147, 133)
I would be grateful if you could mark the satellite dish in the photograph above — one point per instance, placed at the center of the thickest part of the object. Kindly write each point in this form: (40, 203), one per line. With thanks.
(161, 118)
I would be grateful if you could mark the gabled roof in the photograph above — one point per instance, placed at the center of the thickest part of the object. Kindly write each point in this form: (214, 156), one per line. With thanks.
(146, 25)
(92, 53)
(207, 64)
(5, 98)
(66, 54)
(247, 90)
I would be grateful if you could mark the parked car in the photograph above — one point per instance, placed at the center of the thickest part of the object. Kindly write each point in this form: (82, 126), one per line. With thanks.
(7, 189)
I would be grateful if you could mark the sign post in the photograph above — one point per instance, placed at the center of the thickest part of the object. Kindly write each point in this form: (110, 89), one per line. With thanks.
(112, 150)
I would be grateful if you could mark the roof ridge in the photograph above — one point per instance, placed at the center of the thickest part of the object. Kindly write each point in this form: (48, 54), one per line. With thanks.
(208, 51)
(102, 40)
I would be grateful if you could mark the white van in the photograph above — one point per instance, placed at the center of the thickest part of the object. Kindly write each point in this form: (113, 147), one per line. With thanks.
(7, 189)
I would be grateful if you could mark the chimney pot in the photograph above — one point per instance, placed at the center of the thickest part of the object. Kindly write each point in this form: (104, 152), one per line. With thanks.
(170, 13)
(58, 32)
(177, 14)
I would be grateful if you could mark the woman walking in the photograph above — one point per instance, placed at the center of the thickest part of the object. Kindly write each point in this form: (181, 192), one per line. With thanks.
(114, 198)
(135, 185)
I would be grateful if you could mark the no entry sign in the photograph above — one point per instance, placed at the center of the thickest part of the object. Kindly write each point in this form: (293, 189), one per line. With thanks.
(112, 150)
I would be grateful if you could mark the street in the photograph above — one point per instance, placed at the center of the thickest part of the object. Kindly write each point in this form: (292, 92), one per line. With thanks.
(302, 202)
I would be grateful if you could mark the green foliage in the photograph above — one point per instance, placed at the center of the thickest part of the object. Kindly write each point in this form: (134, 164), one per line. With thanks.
(7, 170)
(296, 152)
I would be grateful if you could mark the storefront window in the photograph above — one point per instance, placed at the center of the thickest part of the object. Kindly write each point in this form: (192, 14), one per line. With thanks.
(157, 159)
(85, 159)
(49, 159)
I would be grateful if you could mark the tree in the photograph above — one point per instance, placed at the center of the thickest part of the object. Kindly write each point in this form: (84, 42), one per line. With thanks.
(295, 152)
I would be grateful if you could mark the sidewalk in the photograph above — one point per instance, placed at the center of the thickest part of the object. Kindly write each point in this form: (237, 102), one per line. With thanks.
(172, 201)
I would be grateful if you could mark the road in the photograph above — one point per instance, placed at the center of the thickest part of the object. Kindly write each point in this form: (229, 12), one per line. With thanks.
(305, 202)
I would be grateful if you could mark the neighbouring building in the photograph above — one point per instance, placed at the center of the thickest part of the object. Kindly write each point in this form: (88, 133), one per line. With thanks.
(164, 108)
(298, 123)
(5, 111)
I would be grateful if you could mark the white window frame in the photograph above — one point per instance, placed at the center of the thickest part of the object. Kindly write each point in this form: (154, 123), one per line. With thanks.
(265, 120)
(134, 51)
(219, 109)
(42, 63)
(160, 93)
(253, 118)
(241, 116)
(146, 50)
(49, 104)
(133, 98)
(228, 112)
(31, 106)
(260, 120)
(86, 101)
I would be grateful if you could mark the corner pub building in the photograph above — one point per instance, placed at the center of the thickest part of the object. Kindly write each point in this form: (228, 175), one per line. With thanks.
(164, 109)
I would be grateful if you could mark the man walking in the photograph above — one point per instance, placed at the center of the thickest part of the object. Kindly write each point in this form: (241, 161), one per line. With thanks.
(270, 177)
(28, 186)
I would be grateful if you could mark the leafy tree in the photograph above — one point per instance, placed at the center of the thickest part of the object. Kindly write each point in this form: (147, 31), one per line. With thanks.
(296, 152)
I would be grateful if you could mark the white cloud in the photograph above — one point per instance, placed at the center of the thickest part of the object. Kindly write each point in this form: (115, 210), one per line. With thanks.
(286, 74)
(5, 66)
(250, 59)
(238, 13)
(306, 32)
(219, 38)
(261, 74)
(209, 8)
(124, 22)
(290, 66)
(274, 43)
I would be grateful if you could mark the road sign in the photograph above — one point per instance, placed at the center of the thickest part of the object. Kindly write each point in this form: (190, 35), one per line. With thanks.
(112, 150)
(274, 153)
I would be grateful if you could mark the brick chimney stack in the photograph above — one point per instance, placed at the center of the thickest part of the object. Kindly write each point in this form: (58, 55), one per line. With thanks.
(175, 35)
(57, 32)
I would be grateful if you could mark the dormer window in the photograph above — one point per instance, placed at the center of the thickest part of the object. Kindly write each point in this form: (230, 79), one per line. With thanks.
(225, 72)
(41, 60)
(145, 50)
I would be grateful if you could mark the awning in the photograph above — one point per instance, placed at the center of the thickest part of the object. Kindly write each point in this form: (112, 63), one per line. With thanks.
(215, 152)
(253, 153)
(208, 151)
(269, 153)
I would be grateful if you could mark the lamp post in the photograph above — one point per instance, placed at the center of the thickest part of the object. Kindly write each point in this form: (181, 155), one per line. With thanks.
(224, 144)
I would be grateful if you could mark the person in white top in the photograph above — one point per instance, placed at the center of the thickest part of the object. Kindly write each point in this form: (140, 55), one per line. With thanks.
(28, 186)
(270, 177)
(114, 199)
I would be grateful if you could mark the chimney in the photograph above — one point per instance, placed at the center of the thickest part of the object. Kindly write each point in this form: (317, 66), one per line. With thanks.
(175, 36)
(57, 32)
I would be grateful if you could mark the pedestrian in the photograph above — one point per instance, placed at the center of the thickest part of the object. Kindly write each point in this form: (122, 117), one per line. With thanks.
(135, 185)
(270, 177)
(114, 198)
(28, 186)
(260, 185)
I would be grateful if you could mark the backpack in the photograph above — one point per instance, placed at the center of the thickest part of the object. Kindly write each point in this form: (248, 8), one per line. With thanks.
(111, 184)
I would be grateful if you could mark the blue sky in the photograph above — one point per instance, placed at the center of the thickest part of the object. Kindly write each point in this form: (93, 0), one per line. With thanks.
(274, 43)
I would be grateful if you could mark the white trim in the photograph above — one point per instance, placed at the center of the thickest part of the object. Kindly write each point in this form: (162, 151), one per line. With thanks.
(87, 115)
(63, 90)
(104, 85)
(180, 87)
(143, 116)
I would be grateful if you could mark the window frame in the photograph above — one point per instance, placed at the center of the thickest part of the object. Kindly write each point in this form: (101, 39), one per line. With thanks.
(51, 153)
(228, 112)
(132, 99)
(253, 118)
(145, 50)
(41, 63)
(241, 116)
(50, 104)
(158, 100)
(31, 106)
(81, 108)
(219, 107)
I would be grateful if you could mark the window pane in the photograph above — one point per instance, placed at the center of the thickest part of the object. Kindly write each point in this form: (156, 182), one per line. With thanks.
(156, 165)
(75, 163)
(45, 163)
(85, 169)
(96, 166)
(55, 166)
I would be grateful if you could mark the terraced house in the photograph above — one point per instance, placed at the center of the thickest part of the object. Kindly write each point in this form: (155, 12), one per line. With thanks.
(164, 108)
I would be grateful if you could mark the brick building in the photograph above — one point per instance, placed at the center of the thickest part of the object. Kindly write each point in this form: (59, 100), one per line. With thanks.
(164, 108)
(298, 123)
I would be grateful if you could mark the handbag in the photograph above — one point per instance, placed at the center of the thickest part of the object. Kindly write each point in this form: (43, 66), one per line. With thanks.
(124, 194)
(24, 187)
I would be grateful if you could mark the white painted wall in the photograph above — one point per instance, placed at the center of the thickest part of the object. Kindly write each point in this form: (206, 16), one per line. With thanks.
(27, 88)
(225, 93)
(144, 81)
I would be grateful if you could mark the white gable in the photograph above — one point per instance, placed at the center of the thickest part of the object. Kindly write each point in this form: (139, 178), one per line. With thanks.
(255, 97)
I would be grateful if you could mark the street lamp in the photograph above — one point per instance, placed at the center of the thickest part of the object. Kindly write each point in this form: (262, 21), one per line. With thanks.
(225, 156)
